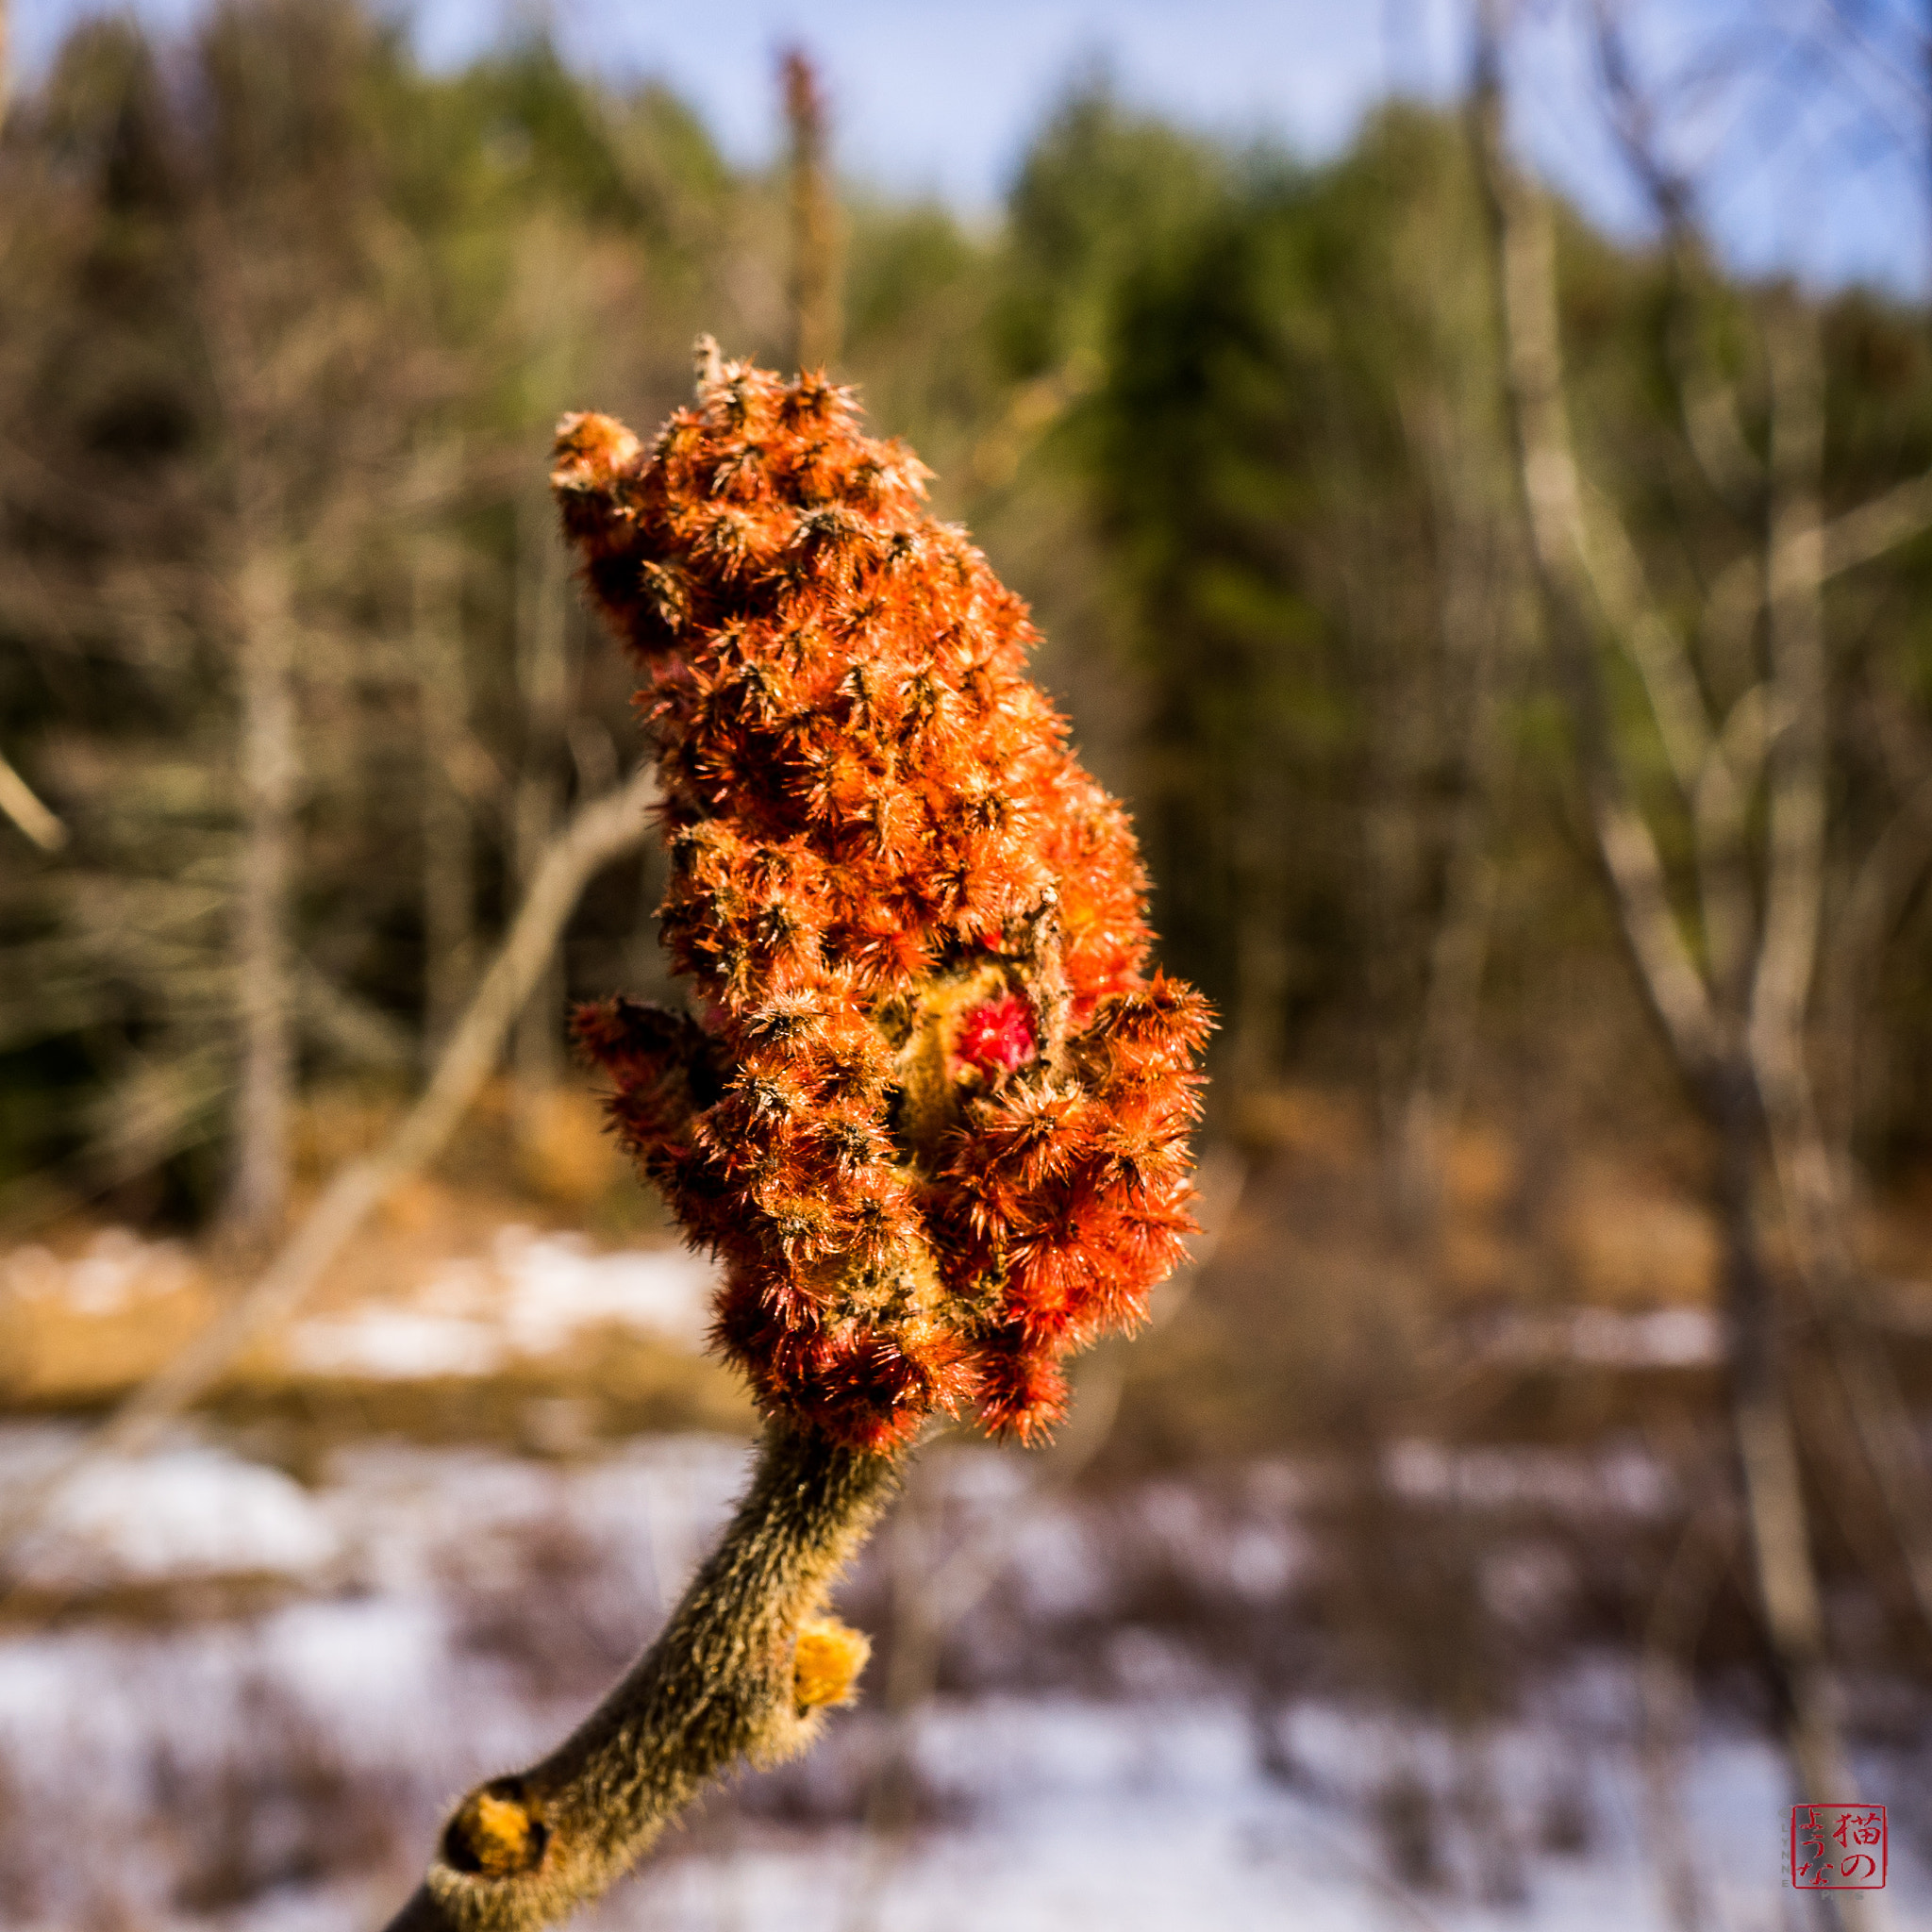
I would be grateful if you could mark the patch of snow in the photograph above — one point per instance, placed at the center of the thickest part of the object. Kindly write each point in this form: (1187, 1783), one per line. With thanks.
(558, 1285)
(117, 1269)
(1666, 1337)
(978, 1475)
(397, 1345)
(1671, 1338)
(1526, 1583)
(1625, 1479)
(378, 1656)
(1204, 1800)
(179, 1514)
(532, 1296)
(1261, 1563)
(653, 1506)
(1058, 1566)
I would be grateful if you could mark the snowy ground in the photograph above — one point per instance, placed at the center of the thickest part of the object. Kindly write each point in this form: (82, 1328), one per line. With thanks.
(179, 1750)
(524, 1296)
(528, 1297)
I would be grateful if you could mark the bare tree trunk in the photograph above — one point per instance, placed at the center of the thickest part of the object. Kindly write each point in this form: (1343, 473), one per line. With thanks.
(1794, 605)
(544, 685)
(1262, 955)
(271, 772)
(1476, 622)
(1775, 1087)
(1780, 728)
(1452, 999)
(1725, 1056)
(449, 859)
(1768, 1460)
(817, 323)
(1556, 520)
(1815, 1197)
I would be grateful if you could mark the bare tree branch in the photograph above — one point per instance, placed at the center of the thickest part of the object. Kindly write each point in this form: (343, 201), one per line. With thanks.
(600, 832)
(449, 883)
(1699, 1021)
(1560, 542)
(1859, 536)
(1617, 579)
(19, 802)
(1794, 574)
(1720, 814)
(263, 944)
(1707, 403)
(1865, 534)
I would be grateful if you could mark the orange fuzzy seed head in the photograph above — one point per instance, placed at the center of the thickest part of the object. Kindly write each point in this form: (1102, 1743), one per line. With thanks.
(933, 1113)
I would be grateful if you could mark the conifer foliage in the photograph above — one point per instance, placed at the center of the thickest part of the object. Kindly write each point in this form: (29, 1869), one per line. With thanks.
(932, 1111)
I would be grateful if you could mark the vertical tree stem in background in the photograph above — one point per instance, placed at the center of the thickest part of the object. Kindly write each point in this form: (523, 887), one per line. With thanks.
(449, 859)
(263, 955)
(17, 797)
(542, 659)
(1706, 1037)
(816, 252)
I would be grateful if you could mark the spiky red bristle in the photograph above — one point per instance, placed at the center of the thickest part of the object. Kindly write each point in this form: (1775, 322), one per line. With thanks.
(934, 1119)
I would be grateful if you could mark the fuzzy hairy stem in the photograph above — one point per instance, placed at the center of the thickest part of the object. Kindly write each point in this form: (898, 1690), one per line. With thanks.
(728, 1681)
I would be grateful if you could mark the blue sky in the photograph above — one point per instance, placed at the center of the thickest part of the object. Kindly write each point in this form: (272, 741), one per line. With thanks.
(1802, 120)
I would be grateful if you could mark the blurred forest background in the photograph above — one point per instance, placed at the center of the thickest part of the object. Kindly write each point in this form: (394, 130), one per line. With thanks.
(1515, 646)
(292, 667)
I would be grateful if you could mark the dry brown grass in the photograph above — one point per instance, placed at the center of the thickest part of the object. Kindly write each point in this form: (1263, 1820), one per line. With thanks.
(1330, 1318)
(541, 1163)
(1326, 1317)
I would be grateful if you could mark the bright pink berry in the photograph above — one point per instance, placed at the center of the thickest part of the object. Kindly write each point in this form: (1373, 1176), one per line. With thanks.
(998, 1036)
